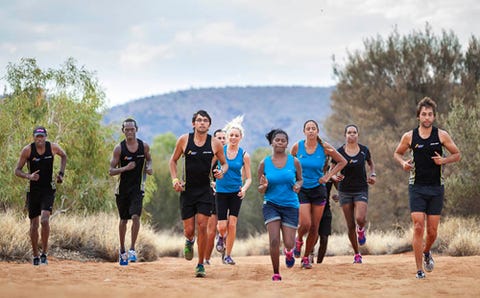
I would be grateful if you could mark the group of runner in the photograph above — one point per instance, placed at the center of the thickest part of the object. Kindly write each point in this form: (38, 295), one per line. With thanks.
(216, 174)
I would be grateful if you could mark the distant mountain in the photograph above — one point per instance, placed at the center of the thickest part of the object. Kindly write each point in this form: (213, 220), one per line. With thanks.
(264, 108)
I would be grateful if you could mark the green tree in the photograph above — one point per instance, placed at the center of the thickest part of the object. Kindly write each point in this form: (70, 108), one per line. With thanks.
(378, 89)
(68, 101)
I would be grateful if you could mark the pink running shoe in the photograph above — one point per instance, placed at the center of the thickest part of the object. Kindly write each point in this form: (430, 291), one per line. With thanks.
(361, 235)
(276, 277)
(289, 259)
(357, 259)
(306, 263)
(298, 248)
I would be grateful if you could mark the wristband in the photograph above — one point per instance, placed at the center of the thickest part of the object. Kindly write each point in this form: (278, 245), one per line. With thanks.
(60, 173)
(373, 175)
(175, 180)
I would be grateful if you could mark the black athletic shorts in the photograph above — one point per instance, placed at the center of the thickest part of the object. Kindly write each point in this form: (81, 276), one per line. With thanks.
(38, 201)
(227, 204)
(196, 200)
(426, 198)
(130, 204)
(314, 196)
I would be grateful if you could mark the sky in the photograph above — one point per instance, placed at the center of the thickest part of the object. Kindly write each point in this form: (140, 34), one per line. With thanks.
(143, 48)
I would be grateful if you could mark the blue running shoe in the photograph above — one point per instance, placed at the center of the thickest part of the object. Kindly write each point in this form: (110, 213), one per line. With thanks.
(228, 260)
(289, 259)
(220, 244)
(200, 271)
(420, 274)
(428, 262)
(43, 259)
(132, 256)
(361, 236)
(36, 261)
(123, 259)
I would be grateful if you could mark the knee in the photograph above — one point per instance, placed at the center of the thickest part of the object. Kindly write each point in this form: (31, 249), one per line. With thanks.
(34, 225)
(135, 218)
(418, 228)
(275, 242)
(44, 220)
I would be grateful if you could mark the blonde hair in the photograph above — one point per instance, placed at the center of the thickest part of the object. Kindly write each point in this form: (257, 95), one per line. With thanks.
(235, 123)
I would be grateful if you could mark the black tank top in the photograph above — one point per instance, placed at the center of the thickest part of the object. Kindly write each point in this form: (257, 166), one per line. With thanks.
(198, 163)
(44, 163)
(425, 171)
(133, 180)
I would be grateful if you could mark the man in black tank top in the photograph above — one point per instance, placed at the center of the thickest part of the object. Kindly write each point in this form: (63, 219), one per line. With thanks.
(198, 149)
(132, 161)
(39, 157)
(426, 189)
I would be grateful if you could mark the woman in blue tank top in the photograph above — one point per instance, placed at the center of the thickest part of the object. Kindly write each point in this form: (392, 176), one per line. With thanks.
(231, 190)
(280, 179)
(312, 153)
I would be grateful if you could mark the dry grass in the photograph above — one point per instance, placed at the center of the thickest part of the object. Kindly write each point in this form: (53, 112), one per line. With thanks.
(95, 237)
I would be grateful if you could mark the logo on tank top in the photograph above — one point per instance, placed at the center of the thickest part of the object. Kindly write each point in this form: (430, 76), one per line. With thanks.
(190, 152)
(353, 160)
(207, 152)
(435, 143)
(128, 158)
(419, 146)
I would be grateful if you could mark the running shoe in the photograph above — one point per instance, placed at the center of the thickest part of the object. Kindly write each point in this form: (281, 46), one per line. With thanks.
(188, 249)
(420, 274)
(357, 259)
(428, 262)
(132, 256)
(228, 260)
(298, 248)
(43, 259)
(276, 277)
(306, 263)
(123, 258)
(220, 244)
(289, 259)
(361, 235)
(36, 261)
(200, 271)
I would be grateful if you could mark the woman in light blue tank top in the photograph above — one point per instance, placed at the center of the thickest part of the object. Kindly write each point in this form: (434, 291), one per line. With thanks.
(312, 153)
(280, 179)
(231, 190)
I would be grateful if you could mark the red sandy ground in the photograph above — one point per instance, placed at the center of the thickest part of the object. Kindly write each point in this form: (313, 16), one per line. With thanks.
(378, 276)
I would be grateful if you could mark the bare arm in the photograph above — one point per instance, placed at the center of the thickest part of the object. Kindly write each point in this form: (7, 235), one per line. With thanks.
(298, 175)
(448, 143)
(247, 174)
(24, 154)
(372, 177)
(262, 179)
(340, 162)
(294, 149)
(115, 168)
(56, 149)
(148, 158)
(402, 147)
(177, 153)
(218, 151)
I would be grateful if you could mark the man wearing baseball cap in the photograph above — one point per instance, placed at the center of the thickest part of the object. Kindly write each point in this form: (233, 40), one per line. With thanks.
(39, 157)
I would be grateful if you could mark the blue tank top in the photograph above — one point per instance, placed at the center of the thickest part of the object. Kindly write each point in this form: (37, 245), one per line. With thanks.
(232, 180)
(280, 183)
(312, 165)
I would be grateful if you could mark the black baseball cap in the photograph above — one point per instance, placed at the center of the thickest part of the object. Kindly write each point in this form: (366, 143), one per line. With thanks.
(39, 131)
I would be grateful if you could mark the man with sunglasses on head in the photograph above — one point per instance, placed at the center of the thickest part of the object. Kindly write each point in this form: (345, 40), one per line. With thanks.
(198, 149)
(39, 157)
